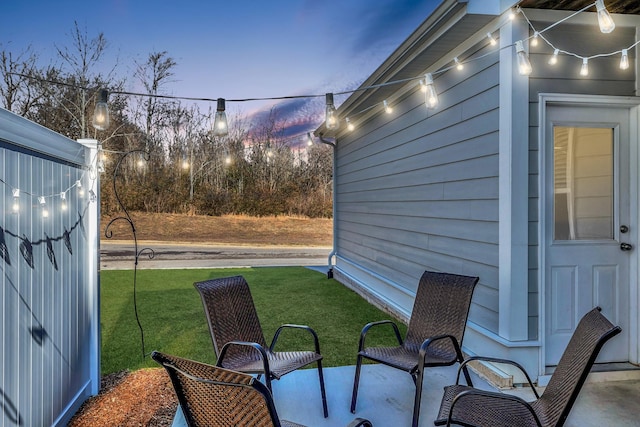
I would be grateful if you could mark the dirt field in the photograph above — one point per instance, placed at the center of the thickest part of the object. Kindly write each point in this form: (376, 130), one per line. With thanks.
(230, 229)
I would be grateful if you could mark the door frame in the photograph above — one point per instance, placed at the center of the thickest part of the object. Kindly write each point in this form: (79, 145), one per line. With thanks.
(603, 101)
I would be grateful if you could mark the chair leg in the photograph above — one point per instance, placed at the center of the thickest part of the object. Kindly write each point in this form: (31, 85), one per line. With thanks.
(322, 391)
(356, 381)
(467, 376)
(418, 397)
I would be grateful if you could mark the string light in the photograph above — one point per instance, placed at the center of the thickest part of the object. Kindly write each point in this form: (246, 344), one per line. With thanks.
(101, 112)
(220, 126)
(604, 19)
(16, 200)
(584, 69)
(350, 126)
(387, 107)
(430, 94)
(524, 66)
(331, 115)
(310, 140)
(605, 22)
(80, 188)
(534, 40)
(492, 41)
(63, 201)
(43, 206)
(92, 196)
(624, 60)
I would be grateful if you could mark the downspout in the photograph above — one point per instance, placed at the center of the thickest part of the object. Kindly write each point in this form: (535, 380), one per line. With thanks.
(334, 250)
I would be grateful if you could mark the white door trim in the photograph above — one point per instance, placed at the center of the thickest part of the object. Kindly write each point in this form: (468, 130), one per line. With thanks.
(633, 103)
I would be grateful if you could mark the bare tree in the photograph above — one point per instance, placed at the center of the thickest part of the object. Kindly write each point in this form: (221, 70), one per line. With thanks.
(82, 59)
(154, 75)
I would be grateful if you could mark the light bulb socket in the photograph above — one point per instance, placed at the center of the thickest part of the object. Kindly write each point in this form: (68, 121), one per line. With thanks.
(221, 105)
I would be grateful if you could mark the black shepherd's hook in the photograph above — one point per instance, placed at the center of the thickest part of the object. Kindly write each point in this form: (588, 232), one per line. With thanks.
(109, 234)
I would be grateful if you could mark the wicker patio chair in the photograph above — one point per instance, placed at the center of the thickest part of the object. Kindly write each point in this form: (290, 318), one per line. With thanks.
(215, 397)
(434, 335)
(468, 406)
(238, 339)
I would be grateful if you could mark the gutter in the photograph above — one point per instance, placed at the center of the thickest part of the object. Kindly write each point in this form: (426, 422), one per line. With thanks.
(334, 250)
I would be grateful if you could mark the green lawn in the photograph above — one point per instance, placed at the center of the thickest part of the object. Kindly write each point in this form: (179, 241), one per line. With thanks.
(173, 319)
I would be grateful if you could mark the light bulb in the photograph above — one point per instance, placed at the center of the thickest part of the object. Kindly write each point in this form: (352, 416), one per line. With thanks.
(331, 115)
(350, 126)
(459, 64)
(624, 60)
(185, 162)
(16, 200)
(387, 107)
(43, 205)
(492, 41)
(80, 189)
(584, 70)
(524, 66)
(101, 112)
(430, 96)
(220, 126)
(63, 201)
(534, 40)
(310, 140)
(554, 58)
(604, 19)
(140, 162)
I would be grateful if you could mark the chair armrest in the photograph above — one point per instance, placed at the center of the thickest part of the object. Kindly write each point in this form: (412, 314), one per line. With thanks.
(368, 326)
(498, 360)
(471, 393)
(360, 422)
(255, 345)
(426, 343)
(291, 326)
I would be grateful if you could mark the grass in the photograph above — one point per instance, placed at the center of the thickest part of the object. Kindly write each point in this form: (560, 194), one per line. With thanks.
(173, 319)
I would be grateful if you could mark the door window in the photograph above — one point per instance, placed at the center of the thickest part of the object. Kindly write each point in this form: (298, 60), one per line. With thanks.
(583, 160)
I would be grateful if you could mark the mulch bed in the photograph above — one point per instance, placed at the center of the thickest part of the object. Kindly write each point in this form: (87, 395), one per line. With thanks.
(140, 398)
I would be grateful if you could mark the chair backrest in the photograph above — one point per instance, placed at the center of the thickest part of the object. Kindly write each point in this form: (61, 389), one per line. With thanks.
(441, 307)
(230, 312)
(212, 396)
(592, 332)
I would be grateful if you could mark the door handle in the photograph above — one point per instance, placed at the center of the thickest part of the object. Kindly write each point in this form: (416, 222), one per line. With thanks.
(625, 247)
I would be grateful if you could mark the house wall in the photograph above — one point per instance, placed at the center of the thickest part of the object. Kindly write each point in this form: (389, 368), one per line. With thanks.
(605, 78)
(418, 190)
(49, 360)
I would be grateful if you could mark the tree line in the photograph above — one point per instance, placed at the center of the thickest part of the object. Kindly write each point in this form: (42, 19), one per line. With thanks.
(166, 157)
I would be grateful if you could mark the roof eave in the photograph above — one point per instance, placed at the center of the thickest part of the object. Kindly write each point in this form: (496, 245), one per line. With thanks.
(449, 25)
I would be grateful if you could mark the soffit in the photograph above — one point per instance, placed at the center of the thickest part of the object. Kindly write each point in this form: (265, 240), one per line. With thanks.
(613, 6)
(414, 57)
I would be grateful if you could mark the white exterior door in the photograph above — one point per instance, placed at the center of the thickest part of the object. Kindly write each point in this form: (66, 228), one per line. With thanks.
(589, 241)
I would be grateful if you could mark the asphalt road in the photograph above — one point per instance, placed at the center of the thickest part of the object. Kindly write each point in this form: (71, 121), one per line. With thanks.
(120, 255)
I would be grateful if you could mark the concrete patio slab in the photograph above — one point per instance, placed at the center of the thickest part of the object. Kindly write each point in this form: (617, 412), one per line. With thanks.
(386, 395)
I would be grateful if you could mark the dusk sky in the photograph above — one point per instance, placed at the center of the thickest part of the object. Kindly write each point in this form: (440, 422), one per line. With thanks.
(231, 49)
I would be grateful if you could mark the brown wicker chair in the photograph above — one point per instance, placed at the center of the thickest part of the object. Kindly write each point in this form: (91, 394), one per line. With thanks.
(434, 335)
(238, 339)
(212, 396)
(468, 406)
